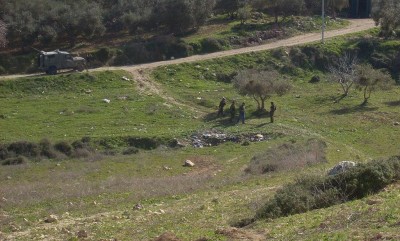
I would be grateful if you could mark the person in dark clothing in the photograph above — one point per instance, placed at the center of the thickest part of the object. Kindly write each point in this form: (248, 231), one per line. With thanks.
(221, 106)
(232, 110)
(272, 110)
(241, 113)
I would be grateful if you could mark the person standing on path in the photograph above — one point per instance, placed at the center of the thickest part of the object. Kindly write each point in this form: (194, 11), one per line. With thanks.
(241, 113)
(221, 106)
(232, 110)
(272, 110)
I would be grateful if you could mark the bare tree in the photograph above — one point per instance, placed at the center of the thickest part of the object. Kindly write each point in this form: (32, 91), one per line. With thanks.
(370, 79)
(343, 71)
(261, 85)
(3, 34)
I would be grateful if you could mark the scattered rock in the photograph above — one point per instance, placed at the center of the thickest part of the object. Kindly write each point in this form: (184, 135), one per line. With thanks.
(162, 211)
(167, 168)
(14, 228)
(9, 177)
(51, 219)
(125, 78)
(138, 206)
(188, 163)
(341, 167)
(297, 96)
(65, 231)
(167, 236)
(82, 234)
(106, 101)
(396, 123)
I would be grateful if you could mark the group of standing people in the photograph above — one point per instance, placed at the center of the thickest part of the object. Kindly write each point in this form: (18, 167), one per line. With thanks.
(232, 111)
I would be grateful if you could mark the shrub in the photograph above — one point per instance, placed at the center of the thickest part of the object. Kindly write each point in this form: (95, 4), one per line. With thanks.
(226, 77)
(209, 45)
(24, 148)
(81, 153)
(64, 147)
(315, 79)
(103, 55)
(15, 161)
(3, 152)
(46, 149)
(319, 192)
(142, 143)
(130, 151)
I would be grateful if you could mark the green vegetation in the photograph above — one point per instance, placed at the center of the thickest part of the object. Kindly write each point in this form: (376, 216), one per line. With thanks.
(90, 147)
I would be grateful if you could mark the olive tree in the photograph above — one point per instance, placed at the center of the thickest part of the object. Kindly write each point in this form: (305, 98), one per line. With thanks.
(337, 5)
(370, 79)
(261, 85)
(386, 14)
(343, 71)
(3, 34)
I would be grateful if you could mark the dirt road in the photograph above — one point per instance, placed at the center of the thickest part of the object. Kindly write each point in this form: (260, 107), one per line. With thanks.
(356, 25)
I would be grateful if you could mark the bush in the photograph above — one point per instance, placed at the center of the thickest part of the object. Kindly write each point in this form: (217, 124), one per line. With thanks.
(46, 149)
(130, 151)
(320, 192)
(24, 148)
(3, 152)
(103, 55)
(64, 147)
(143, 143)
(315, 79)
(209, 45)
(15, 161)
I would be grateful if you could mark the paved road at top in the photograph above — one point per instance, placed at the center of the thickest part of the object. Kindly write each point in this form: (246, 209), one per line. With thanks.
(356, 25)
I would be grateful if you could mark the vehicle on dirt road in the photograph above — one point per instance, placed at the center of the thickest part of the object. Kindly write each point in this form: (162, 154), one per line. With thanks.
(51, 62)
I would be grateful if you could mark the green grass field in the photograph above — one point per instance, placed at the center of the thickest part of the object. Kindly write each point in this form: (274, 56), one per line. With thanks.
(98, 194)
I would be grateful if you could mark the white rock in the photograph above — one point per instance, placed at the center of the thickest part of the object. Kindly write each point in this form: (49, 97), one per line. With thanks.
(341, 167)
(189, 163)
(106, 101)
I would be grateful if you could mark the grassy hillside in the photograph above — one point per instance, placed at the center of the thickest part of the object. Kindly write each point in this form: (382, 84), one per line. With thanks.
(99, 193)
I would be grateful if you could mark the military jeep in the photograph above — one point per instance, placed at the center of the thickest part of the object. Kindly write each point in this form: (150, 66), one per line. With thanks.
(51, 62)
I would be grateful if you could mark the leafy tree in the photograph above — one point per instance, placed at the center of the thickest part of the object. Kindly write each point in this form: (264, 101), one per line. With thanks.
(285, 8)
(228, 6)
(370, 79)
(80, 19)
(244, 13)
(343, 71)
(386, 14)
(260, 85)
(3, 34)
(337, 5)
(180, 16)
(21, 21)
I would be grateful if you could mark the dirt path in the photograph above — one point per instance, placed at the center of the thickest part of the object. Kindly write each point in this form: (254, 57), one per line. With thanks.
(141, 73)
(356, 25)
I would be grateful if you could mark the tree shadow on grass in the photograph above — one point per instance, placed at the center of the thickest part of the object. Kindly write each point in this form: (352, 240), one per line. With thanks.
(221, 121)
(393, 103)
(355, 109)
